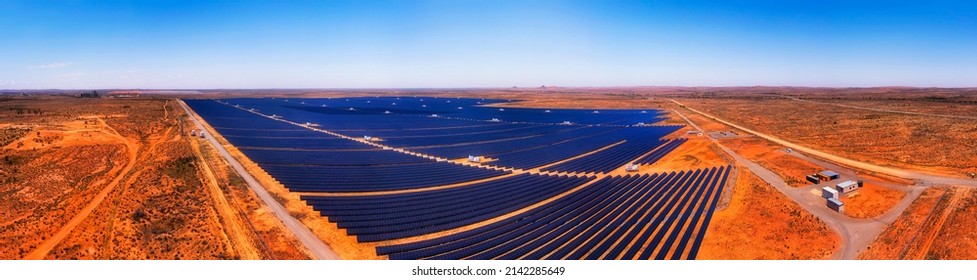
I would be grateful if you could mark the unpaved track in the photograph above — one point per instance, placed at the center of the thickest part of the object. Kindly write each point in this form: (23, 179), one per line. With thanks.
(856, 234)
(232, 224)
(316, 246)
(45, 247)
(919, 249)
(897, 172)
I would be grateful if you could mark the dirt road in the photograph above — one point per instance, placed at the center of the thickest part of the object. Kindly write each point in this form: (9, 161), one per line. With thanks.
(902, 173)
(312, 242)
(243, 245)
(856, 234)
(45, 247)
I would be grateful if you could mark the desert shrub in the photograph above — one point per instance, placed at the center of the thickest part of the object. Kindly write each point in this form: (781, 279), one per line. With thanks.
(139, 215)
(9, 135)
(181, 168)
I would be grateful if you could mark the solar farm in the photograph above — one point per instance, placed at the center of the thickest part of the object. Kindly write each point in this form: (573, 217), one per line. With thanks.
(456, 178)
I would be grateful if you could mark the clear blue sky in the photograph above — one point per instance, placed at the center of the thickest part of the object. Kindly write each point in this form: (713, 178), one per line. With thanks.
(460, 43)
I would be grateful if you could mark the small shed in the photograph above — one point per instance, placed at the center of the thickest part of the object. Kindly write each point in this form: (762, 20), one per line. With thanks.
(847, 186)
(828, 192)
(631, 167)
(813, 179)
(836, 205)
(827, 175)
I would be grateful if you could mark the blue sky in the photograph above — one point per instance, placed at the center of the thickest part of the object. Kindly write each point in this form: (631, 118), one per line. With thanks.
(462, 43)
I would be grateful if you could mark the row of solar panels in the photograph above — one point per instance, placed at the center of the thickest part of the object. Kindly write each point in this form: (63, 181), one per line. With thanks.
(661, 216)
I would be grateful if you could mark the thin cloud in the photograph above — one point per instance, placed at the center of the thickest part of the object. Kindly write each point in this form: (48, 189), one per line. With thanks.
(52, 65)
(71, 75)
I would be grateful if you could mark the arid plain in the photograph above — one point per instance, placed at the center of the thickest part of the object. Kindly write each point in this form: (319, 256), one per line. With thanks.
(121, 177)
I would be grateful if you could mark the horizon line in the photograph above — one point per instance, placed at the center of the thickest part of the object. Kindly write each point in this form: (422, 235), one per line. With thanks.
(492, 88)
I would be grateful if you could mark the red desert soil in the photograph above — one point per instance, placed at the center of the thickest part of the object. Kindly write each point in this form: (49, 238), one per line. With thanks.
(938, 226)
(107, 179)
(895, 241)
(697, 152)
(275, 240)
(924, 143)
(870, 201)
(960, 224)
(773, 157)
(761, 223)
(763, 152)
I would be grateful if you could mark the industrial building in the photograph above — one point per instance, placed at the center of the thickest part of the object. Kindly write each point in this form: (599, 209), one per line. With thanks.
(813, 179)
(828, 192)
(847, 187)
(836, 205)
(827, 175)
(631, 167)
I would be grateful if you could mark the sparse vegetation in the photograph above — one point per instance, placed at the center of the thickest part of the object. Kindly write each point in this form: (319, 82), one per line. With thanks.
(761, 223)
(155, 206)
(11, 134)
(926, 143)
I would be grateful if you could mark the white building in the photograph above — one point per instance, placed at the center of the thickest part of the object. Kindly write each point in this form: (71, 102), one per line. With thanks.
(846, 187)
(828, 192)
(836, 205)
(631, 167)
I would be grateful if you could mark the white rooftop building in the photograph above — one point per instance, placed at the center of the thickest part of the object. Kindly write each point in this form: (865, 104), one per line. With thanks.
(847, 186)
(828, 192)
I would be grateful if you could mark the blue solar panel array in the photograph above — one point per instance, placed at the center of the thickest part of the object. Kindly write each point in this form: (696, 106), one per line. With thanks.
(310, 161)
(374, 178)
(408, 122)
(660, 216)
(383, 217)
(661, 151)
(641, 142)
(612, 218)
(370, 113)
(456, 128)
